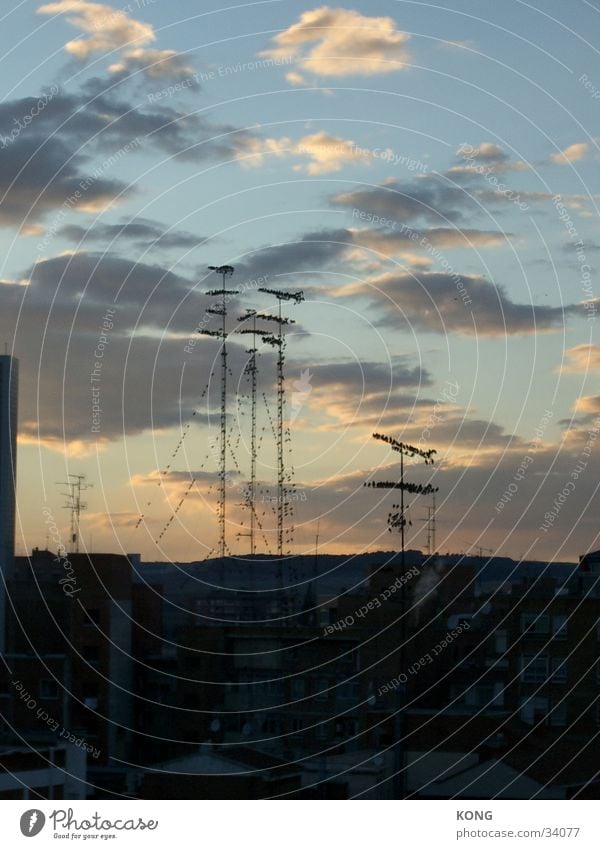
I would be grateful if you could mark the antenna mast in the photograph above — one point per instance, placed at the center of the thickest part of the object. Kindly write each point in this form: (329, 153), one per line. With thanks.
(397, 519)
(251, 370)
(431, 543)
(278, 342)
(74, 503)
(221, 309)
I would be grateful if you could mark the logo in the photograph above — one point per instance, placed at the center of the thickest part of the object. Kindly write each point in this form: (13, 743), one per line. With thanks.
(302, 390)
(32, 822)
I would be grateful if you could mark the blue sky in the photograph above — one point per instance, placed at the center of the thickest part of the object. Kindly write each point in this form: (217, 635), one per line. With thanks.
(372, 154)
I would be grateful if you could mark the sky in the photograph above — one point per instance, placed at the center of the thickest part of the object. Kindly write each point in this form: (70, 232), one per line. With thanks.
(427, 174)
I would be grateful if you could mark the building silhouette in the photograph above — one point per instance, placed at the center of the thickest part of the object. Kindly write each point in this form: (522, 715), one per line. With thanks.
(9, 386)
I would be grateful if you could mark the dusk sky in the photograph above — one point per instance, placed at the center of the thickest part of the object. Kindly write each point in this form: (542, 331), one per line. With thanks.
(427, 174)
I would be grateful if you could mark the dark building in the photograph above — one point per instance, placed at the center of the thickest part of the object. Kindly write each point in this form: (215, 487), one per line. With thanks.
(9, 387)
(70, 648)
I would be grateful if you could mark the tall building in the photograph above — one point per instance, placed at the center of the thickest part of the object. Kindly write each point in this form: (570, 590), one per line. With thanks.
(9, 386)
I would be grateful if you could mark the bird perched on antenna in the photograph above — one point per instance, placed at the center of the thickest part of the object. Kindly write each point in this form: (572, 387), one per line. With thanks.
(222, 269)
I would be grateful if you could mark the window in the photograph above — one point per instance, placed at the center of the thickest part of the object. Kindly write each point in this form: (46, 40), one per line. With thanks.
(271, 725)
(48, 689)
(348, 690)
(535, 624)
(559, 627)
(296, 724)
(533, 710)
(534, 670)
(500, 641)
(498, 699)
(297, 688)
(483, 694)
(90, 690)
(320, 690)
(273, 688)
(558, 715)
(559, 670)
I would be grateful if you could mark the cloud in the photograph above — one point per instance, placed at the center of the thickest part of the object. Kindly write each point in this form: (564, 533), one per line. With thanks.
(391, 243)
(488, 157)
(444, 303)
(572, 153)
(156, 64)
(497, 198)
(589, 405)
(425, 199)
(589, 246)
(341, 42)
(81, 136)
(472, 483)
(312, 253)
(360, 392)
(294, 78)
(37, 177)
(363, 379)
(107, 28)
(147, 378)
(581, 359)
(141, 232)
(326, 153)
(586, 412)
